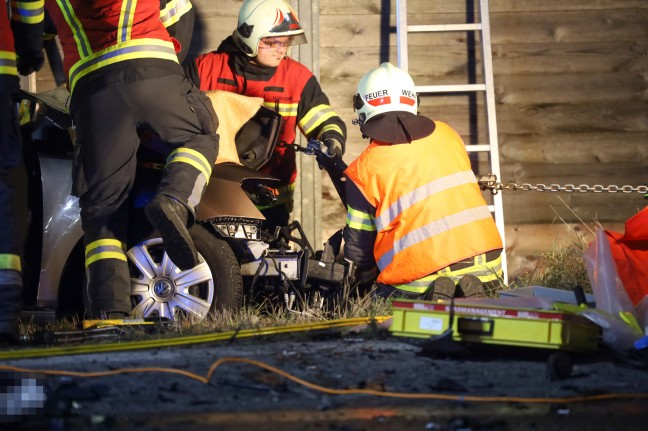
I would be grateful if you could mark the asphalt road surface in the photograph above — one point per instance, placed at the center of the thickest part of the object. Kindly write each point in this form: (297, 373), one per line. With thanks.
(365, 380)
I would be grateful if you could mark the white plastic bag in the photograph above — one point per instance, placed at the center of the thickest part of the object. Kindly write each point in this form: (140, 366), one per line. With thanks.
(610, 297)
(609, 294)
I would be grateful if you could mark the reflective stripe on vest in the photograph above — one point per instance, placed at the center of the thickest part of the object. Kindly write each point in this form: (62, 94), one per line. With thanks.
(423, 192)
(104, 249)
(435, 228)
(173, 11)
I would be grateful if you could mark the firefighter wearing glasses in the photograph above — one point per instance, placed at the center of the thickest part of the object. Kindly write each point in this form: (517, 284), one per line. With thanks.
(253, 62)
(415, 211)
(21, 52)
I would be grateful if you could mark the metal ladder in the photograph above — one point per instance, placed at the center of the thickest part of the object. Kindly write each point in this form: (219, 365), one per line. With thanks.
(483, 28)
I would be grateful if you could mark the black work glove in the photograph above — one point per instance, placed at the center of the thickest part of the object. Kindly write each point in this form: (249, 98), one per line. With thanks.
(30, 63)
(334, 148)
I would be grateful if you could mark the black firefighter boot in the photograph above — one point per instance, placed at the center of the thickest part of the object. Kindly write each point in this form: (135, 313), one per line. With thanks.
(169, 216)
(10, 306)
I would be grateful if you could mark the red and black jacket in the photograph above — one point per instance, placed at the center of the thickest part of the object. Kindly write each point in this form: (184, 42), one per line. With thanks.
(112, 36)
(26, 24)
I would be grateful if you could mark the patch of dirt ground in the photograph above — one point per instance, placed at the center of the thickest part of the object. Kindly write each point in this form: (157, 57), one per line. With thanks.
(336, 380)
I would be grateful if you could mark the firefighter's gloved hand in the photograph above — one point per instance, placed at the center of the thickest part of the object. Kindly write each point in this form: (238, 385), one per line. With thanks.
(334, 148)
(28, 63)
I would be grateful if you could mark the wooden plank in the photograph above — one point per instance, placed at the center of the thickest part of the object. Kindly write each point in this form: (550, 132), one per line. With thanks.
(540, 207)
(508, 59)
(562, 148)
(571, 88)
(585, 57)
(371, 7)
(577, 173)
(536, 207)
(546, 27)
(223, 8)
(618, 116)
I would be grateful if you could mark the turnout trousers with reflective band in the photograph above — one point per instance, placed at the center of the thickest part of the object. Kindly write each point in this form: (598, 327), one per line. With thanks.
(108, 122)
(429, 212)
(10, 153)
(487, 267)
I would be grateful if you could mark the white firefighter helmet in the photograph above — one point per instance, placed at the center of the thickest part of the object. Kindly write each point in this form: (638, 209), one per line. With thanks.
(266, 18)
(386, 88)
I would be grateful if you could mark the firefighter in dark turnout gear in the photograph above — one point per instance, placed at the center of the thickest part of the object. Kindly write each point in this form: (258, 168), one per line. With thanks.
(21, 51)
(118, 57)
(253, 62)
(415, 213)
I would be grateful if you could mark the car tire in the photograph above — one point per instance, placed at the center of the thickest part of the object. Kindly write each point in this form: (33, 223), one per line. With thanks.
(159, 289)
(228, 292)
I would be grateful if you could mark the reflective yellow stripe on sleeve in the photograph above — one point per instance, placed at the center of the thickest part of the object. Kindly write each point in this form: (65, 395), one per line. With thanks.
(28, 12)
(8, 63)
(173, 11)
(359, 220)
(315, 117)
(330, 128)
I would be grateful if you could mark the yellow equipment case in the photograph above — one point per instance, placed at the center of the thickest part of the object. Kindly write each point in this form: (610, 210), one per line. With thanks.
(472, 322)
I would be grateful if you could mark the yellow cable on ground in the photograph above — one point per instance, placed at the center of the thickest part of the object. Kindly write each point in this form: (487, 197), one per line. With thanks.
(206, 379)
(181, 341)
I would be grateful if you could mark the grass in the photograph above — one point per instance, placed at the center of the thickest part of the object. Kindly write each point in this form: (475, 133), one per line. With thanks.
(255, 316)
(562, 268)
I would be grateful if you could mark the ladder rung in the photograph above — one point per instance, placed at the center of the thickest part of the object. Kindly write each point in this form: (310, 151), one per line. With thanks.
(450, 88)
(443, 27)
(477, 148)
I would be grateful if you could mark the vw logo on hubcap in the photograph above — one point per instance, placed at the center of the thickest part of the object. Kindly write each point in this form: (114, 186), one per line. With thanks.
(163, 288)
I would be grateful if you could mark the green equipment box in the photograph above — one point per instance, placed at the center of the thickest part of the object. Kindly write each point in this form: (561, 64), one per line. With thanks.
(488, 324)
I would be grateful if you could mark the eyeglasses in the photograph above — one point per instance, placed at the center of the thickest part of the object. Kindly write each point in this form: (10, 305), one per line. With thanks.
(274, 46)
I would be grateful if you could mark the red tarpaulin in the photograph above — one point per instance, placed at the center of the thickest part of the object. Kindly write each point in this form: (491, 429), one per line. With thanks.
(630, 252)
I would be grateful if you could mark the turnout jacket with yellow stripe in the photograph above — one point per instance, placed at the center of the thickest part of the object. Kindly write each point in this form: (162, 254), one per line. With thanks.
(415, 208)
(290, 89)
(26, 24)
(108, 35)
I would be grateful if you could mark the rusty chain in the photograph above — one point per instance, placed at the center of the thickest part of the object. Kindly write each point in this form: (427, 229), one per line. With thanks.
(489, 182)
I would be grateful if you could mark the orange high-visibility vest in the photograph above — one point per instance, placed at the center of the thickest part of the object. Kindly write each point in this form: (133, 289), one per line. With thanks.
(430, 212)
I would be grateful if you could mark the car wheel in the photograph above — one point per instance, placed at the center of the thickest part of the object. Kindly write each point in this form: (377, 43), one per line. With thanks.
(160, 289)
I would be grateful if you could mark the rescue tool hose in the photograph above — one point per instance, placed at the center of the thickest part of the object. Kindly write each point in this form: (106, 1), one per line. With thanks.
(332, 391)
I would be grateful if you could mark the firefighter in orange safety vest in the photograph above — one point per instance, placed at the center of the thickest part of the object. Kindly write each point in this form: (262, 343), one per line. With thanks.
(118, 56)
(253, 62)
(21, 52)
(415, 214)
